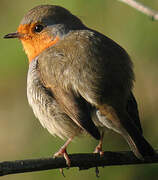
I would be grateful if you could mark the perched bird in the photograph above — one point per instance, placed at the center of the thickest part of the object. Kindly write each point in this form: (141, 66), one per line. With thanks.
(79, 81)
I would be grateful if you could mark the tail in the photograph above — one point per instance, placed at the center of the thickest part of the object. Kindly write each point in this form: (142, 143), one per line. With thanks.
(138, 144)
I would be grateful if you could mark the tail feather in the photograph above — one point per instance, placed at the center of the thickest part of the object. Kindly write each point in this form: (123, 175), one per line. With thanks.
(141, 149)
(136, 141)
(122, 123)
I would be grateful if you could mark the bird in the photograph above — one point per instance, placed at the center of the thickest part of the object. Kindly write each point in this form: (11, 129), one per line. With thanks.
(79, 81)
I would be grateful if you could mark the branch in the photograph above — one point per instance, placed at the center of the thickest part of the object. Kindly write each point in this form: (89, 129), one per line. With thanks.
(140, 7)
(82, 161)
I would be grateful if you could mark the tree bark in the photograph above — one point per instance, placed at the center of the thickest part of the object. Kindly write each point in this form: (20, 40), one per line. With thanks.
(82, 161)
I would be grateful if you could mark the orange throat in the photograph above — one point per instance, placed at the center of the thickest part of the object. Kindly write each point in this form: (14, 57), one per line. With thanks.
(34, 46)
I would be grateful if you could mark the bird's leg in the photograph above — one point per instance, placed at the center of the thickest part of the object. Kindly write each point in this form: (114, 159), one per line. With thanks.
(98, 148)
(62, 152)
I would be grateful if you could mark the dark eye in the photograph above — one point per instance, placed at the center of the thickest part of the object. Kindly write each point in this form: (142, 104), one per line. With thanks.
(38, 28)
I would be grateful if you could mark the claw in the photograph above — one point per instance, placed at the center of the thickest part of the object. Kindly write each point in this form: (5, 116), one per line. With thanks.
(97, 172)
(62, 172)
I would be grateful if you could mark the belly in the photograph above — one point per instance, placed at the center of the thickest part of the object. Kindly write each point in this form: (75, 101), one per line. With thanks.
(46, 108)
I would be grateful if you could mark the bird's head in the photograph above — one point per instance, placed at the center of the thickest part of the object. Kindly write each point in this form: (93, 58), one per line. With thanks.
(43, 26)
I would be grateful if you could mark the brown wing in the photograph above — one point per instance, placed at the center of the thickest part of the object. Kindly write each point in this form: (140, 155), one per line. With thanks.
(77, 109)
(52, 70)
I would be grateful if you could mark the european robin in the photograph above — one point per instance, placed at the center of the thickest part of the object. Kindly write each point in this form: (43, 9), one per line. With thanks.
(79, 81)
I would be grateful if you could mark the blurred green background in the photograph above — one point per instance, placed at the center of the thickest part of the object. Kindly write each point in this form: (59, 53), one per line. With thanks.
(22, 136)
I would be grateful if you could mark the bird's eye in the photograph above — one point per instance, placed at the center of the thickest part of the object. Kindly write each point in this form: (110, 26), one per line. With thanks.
(38, 28)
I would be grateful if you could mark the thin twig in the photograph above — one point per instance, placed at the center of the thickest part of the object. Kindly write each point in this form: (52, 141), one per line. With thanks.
(82, 161)
(142, 8)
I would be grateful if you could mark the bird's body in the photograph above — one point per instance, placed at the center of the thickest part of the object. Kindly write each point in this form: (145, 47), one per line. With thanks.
(74, 70)
(79, 80)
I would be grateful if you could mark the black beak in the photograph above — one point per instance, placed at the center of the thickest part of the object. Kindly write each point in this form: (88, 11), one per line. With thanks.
(12, 35)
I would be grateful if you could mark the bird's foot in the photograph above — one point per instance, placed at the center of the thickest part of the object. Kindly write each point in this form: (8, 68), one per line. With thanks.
(99, 150)
(63, 152)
